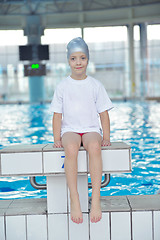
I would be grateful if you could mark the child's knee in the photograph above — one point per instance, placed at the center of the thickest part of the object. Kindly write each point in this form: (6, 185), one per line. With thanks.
(71, 149)
(94, 147)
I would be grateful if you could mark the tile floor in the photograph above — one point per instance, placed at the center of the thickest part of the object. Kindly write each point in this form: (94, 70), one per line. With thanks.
(124, 218)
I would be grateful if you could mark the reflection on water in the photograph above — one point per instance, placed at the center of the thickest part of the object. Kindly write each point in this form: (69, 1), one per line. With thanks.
(132, 122)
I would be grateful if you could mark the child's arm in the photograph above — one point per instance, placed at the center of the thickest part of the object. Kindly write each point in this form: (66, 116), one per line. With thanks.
(56, 123)
(105, 122)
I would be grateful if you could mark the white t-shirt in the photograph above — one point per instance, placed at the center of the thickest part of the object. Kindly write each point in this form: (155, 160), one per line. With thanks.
(80, 102)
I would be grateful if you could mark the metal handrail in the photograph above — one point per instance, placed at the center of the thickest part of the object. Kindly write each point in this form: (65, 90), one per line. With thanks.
(44, 186)
(37, 185)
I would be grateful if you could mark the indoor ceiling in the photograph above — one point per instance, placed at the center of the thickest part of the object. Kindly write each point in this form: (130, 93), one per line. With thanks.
(78, 13)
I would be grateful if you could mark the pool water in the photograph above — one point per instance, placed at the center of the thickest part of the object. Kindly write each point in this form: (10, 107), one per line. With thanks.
(135, 123)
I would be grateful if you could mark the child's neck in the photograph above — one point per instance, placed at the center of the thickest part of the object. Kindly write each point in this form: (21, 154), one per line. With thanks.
(81, 77)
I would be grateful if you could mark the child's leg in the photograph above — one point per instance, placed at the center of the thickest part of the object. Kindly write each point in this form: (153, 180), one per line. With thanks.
(71, 143)
(92, 143)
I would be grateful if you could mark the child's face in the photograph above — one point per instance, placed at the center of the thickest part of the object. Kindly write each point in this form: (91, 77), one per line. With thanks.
(78, 63)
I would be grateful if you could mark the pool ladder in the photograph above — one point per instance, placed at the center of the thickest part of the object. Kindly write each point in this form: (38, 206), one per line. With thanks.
(39, 186)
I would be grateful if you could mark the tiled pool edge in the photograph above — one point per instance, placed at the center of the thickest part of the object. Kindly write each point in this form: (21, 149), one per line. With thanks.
(124, 217)
(49, 219)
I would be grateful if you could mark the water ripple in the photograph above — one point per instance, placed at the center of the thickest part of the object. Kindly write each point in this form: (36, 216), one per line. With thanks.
(132, 122)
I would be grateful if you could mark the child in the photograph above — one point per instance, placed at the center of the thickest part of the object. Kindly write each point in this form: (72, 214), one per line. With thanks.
(77, 102)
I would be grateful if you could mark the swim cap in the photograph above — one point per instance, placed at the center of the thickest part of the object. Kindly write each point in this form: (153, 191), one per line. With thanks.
(77, 45)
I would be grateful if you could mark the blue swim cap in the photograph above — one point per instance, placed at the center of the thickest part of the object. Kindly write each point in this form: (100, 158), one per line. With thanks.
(77, 45)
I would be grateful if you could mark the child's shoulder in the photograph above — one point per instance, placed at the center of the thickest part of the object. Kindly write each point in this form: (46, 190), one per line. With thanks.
(95, 81)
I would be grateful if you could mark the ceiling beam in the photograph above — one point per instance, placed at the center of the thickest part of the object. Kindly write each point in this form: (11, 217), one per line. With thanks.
(81, 18)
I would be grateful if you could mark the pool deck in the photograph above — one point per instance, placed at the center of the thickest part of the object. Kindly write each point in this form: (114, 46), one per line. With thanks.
(123, 217)
(128, 203)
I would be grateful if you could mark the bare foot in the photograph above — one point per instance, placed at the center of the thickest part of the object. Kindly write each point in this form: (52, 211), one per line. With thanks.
(96, 213)
(76, 213)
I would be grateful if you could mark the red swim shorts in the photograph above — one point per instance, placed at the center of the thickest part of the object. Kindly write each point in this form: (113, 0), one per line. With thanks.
(81, 134)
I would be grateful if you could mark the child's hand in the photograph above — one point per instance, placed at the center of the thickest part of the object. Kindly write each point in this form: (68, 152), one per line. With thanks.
(57, 144)
(105, 143)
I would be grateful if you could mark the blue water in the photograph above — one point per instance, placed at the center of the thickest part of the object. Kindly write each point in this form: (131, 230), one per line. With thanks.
(135, 123)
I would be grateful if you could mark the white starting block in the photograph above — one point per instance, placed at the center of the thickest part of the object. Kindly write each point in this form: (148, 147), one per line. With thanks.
(44, 160)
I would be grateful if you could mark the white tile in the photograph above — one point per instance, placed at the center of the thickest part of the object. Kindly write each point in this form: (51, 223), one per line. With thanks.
(58, 227)
(54, 162)
(156, 225)
(101, 229)
(2, 234)
(15, 228)
(36, 227)
(120, 226)
(142, 225)
(82, 161)
(79, 231)
(56, 194)
(82, 185)
(116, 160)
(21, 163)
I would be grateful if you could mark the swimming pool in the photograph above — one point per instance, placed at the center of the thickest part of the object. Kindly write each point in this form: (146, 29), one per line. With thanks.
(136, 123)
